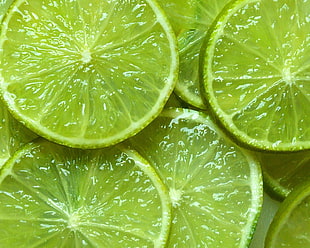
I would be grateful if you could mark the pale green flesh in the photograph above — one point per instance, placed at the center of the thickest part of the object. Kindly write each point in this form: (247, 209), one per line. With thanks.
(215, 188)
(191, 20)
(12, 134)
(87, 73)
(52, 196)
(4, 5)
(257, 74)
(291, 224)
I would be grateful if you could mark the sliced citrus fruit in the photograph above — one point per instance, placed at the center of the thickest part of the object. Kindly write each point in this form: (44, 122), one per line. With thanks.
(291, 224)
(55, 196)
(13, 134)
(283, 172)
(256, 73)
(4, 6)
(215, 187)
(86, 73)
(191, 20)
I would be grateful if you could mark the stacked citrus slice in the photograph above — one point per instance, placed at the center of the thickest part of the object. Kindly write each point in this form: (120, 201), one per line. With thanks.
(13, 134)
(256, 73)
(116, 164)
(215, 187)
(54, 196)
(191, 20)
(86, 73)
(291, 225)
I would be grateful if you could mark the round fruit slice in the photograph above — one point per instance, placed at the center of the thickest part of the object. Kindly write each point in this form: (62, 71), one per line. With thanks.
(12, 134)
(191, 20)
(86, 73)
(215, 187)
(55, 196)
(283, 172)
(291, 225)
(256, 73)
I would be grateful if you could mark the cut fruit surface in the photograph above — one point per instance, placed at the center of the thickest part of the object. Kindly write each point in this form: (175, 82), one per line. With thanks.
(215, 187)
(191, 20)
(12, 134)
(290, 227)
(283, 172)
(86, 73)
(257, 73)
(4, 6)
(54, 196)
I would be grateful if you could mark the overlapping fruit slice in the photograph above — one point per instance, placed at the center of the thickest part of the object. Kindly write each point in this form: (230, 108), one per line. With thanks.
(191, 20)
(86, 73)
(215, 187)
(291, 225)
(54, 196)
(12, 134)
(283, 172)
(257, 73)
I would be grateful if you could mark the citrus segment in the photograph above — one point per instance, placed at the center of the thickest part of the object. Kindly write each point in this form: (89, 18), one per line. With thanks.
(256, 73)
(191, 20)
(54, 196)
(291, 224)
(215, 187)
(86, 73)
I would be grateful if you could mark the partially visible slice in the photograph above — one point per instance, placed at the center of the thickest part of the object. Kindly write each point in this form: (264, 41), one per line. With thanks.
(4, 6)
(86, 73)
(191, 20)
(283, 172)
(257, 73)
(215, 187)
(54, 196)
(13, 134)
(290, 227)
(269, 209)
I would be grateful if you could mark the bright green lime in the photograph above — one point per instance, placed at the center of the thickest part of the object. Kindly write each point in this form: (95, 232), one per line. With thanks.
(290, 227)
(54, 196)
(12, 134)
(257, 73)
(215, 187)
(86, 73)
(283, 172)
(191, 20)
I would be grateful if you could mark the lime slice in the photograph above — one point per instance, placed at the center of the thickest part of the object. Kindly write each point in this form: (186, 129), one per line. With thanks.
(13, 134)
(215, 187)
(283, 172)
(86, 73)
(4, 6)
(256, 73)
(291, 224)
(191, 20)
(55, 196)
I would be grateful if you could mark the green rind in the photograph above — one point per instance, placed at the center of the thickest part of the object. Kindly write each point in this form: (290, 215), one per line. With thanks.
(164, 156)
(283, 172)
(135, 126)
(72, 203)
(283, 214)
(238, 136)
